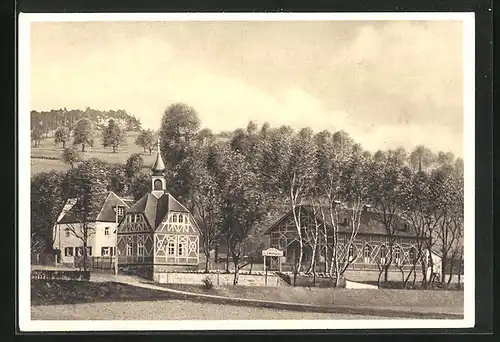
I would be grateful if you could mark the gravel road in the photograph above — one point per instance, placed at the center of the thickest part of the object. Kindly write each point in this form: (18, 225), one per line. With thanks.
(172, 310)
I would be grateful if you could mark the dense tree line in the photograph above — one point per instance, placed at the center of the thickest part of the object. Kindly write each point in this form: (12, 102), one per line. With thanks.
(44, 122)
(232, 184)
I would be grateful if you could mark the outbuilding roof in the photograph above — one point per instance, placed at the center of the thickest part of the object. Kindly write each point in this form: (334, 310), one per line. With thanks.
(104, 212)
(369, 221)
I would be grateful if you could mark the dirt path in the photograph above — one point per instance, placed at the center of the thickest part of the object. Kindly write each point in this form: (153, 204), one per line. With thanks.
(174, 310)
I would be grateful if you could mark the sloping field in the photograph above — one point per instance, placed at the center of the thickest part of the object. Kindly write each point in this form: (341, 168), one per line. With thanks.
(47, 157)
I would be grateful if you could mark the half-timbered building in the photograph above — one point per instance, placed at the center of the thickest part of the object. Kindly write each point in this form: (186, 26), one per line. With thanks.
(369, 249)
(158, 234)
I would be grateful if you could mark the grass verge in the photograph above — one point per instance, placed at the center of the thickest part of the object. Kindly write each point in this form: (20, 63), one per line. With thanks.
(448, 302)
(73, 292)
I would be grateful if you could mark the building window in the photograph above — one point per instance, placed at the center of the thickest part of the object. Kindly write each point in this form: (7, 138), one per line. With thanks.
(171, 248)
(130, 249)
(367, 251)
(105, 251)
(140, 248)
(119, 211)
(89, 251)
(397, 256)
(383, 254)
(66, 232)
(352, 255)
(158, 184)
(174, 218)
(412, 255)
(180, 249)
(106, 231)
(181, 218)
(68, 251)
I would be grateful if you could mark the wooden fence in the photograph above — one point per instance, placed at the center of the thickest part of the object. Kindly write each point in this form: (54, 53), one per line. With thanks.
(96, 263)
(60, 275)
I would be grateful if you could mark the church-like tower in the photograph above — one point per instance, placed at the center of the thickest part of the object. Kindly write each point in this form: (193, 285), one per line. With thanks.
(158, 183)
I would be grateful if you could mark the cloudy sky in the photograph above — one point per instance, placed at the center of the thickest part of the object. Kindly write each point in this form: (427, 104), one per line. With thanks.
(388, 84)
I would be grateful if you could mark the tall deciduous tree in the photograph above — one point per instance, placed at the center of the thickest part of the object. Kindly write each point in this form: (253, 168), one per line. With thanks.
(113, 135)
(421, 158)
(297, 177)
(62, 135)
(146, 140)
(449, 199)
(418, 212)
(133, 165)
(84, 133)
(178, 134)
(37, 136)
(388, 181)
(46, 205)
(70, 156)
(207, 204)
(84, 183)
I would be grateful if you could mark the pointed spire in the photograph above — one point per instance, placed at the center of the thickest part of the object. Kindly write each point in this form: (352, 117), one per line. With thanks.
(158, 167)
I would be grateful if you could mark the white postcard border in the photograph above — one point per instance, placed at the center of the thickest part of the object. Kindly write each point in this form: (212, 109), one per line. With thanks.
(24, 165)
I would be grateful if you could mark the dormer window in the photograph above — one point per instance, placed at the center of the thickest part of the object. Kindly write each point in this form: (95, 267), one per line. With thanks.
(119, 211)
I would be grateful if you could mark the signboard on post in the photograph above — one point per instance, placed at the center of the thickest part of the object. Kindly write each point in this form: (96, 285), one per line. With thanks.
(272, 252)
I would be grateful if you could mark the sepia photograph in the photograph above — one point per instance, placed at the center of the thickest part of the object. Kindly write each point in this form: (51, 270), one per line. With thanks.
(246, 171)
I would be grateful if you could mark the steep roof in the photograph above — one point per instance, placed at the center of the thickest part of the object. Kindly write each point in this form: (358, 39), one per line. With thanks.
(369, 222)
(128, 201)
(155, 209)
(104, 212)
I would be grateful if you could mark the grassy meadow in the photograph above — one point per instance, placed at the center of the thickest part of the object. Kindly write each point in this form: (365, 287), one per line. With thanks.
(47, 157)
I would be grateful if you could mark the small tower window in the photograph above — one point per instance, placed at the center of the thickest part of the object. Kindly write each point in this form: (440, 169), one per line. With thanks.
(158, 185)
(119, 211)
(66, 232)
(106, 231)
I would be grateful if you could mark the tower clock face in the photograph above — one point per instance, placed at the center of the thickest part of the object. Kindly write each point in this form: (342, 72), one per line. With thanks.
(158, 185)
